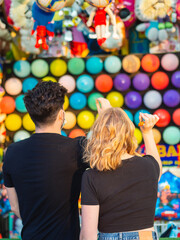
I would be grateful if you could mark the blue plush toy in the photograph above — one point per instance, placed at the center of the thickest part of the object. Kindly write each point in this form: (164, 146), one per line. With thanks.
(42, 25)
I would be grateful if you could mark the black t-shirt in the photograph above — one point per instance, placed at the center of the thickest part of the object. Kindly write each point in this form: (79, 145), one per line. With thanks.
(127, 196)
(46, 171)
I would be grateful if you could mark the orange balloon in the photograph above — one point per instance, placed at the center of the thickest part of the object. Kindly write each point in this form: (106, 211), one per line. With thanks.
(77, 133)
(150, 63)
(157, 135)
(160, 80)
(104, 83)
(7, 105)
(131, 63)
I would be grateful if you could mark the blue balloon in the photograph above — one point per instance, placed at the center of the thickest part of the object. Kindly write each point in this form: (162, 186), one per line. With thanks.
(130, 115)
(21, 135)
(85, 83)
(22, 68)
(94, 65)
(63, 133)
(20, 106)
(133, 100)
(29, 84)
(78, 101)
(136, 115)
(112, 64)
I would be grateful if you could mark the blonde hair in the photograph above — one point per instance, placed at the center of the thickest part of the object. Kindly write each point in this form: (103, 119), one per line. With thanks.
(112, 136)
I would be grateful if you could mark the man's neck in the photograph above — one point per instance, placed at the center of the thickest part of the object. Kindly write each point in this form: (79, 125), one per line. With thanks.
(48, 130)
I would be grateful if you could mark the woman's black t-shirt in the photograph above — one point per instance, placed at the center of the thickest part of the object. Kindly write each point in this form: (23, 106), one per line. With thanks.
(127, 196)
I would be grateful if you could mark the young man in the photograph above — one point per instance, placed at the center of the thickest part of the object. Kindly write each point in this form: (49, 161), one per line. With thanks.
(42, 174)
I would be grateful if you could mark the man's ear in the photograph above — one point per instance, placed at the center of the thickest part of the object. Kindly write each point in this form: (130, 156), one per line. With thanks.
(61, 114)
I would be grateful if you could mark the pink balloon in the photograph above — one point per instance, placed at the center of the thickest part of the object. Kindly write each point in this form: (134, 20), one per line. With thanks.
(169, 62)
(68, 82)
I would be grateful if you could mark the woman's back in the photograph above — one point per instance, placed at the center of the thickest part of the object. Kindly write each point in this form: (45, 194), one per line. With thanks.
(127, 196)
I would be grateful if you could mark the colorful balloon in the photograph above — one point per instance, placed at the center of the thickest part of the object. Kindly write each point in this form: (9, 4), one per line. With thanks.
(116, 99)
(13, 86)
(39, 68)
(176, 116)
(28, 124)
(29, 84)
(22, 68)
(13, 122)
(92, 100)
(63, 133)
(2, 91)
(131, 63)
(122, 82)
(66, 103)
(170, 62)
(157, 135)
(136, 116)
(70, 120)
(138, 135)
(77, 133)
(141, 81)
(176, 79)
(133, 100)
(112, 64)
(159, 80)
(130, 115)
(58, 67)
(21, 135)
(152, 99)
(7, 105)
(150, 63)
(164, 117)
(68, 82)
(104, 83)
(49, 78)
(20, 105)
(76, 66)
(171, 135)
(85, 119)
(85, 83)
(94, 65)
(171, 98)
(78, 101)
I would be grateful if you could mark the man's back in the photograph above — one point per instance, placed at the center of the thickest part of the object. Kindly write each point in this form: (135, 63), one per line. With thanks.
(46, 172)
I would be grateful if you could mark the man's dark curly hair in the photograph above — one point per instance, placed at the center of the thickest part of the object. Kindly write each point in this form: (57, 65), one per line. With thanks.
(44, 102)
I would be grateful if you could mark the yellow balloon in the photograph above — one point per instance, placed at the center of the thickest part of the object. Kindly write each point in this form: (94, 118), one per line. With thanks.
(49, 78)
(70, 120)
(157, 135)
(28, 124)
(58, 67)
(85, 119)
(138, 135)
(13, 122)
(66, 103)
(116, 99)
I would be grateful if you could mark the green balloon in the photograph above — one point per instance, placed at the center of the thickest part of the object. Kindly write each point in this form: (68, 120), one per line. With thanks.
(92, 100)
(76, 66)
(171, 135)
(39, 68)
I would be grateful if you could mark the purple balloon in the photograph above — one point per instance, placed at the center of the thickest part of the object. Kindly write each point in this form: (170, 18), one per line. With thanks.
(176, 79)
(171, 98)
(122, 82)
(133, 100)
(141, 81)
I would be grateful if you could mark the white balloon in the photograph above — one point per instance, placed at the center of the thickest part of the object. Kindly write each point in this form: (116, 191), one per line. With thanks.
(68, 82)
(152, 99)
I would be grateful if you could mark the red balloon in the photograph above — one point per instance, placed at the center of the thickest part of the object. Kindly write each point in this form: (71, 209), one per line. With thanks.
(176, 116)
(150, 63)
(164, 117)
(7, 105)
(159, 80)
(77, 133)
(104, 83)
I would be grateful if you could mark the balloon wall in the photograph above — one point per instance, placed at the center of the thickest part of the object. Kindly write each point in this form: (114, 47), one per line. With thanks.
(137, 83)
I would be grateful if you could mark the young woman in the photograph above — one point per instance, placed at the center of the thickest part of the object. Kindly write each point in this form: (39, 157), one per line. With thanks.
(119, 191)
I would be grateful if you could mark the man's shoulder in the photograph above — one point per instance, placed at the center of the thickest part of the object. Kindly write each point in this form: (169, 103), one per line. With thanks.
(19, 144)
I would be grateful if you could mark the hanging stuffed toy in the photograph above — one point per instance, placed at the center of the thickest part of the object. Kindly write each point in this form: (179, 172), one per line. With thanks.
(160, 15)
(101, 8)
(42, 26)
